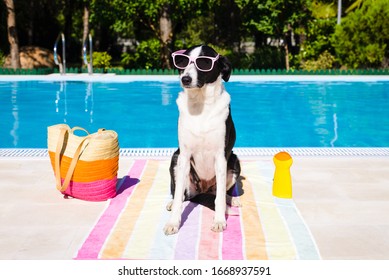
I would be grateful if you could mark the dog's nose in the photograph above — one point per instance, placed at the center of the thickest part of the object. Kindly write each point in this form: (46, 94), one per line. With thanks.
(186, 80)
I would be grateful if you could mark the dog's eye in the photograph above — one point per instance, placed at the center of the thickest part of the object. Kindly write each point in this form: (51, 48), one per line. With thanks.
(204, 63)
(181, 61)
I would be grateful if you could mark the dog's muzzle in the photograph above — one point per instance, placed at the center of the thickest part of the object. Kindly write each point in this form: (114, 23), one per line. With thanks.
(186, 81)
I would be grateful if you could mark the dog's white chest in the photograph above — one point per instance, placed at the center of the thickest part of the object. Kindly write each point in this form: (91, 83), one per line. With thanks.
(202, 125)
(202, 131)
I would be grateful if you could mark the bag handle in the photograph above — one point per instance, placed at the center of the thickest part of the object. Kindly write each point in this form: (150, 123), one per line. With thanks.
(58, 150)
(78, 128)
(73, 163)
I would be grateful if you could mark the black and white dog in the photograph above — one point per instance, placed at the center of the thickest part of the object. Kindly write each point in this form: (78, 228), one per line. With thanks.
(204, 161)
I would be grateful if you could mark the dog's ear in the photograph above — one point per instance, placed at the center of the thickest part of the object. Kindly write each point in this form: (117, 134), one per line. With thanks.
(225, 67)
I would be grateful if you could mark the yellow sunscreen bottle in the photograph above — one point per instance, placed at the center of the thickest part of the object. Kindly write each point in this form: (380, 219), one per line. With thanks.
(282, 183)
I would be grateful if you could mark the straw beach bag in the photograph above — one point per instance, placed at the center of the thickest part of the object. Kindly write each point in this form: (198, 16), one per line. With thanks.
(85, 167)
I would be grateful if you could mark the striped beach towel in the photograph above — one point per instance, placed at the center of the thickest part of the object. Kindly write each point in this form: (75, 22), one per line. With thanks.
(131, 227)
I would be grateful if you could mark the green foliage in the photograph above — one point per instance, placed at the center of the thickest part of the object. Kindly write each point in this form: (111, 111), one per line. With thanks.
(144, 17)
(321, 10)
(199, 30)
(147, 56)
(2, 59)
(325, 61)
(318, 38)
(362, 39)
(272, 17)
(264, 57)
(356, 5)
(101, 60)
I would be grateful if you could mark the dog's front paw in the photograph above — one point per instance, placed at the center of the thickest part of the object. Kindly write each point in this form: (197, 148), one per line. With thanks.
(171, 228)
(219, 226)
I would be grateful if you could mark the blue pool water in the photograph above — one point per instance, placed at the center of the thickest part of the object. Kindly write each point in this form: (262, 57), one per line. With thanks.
(266, 114)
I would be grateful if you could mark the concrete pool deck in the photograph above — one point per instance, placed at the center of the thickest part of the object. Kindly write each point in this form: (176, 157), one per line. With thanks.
(343, 199)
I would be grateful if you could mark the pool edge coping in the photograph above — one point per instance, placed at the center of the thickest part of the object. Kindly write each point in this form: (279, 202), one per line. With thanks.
(240, 151)
(174, 78)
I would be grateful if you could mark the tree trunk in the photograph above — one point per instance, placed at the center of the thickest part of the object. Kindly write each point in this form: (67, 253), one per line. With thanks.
(30, 27)
(166, 34)
(12, 34)
(286, 56)
(67, 12)
(287, 45)
(86, 23)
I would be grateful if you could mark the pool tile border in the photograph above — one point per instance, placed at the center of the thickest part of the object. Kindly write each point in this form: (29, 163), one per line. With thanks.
(241, 152)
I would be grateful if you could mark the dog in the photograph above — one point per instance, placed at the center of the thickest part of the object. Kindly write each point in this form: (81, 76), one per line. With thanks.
(204, 162)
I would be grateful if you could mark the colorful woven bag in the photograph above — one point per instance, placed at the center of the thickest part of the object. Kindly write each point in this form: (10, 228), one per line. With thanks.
(85, 167)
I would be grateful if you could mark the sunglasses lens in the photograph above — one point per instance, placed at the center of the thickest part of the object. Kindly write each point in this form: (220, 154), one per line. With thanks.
(204, 63)
(181, 61)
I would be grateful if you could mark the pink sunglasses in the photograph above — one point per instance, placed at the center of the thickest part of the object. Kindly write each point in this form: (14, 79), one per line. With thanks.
(202, 63)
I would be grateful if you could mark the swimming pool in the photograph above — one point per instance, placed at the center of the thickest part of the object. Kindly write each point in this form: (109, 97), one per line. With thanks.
(266, 114)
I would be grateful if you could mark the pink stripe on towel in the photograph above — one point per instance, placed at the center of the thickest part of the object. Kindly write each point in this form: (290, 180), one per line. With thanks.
(95, 241)
(209, 240)
(232, 237)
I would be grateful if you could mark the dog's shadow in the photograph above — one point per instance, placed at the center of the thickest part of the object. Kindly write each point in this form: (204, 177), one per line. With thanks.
(125, 183)
(208, 200)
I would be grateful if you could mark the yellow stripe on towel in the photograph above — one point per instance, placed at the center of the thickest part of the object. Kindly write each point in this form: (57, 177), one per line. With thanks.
(146, 227)
(278, 240)
(254, 238)
(122, 231)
